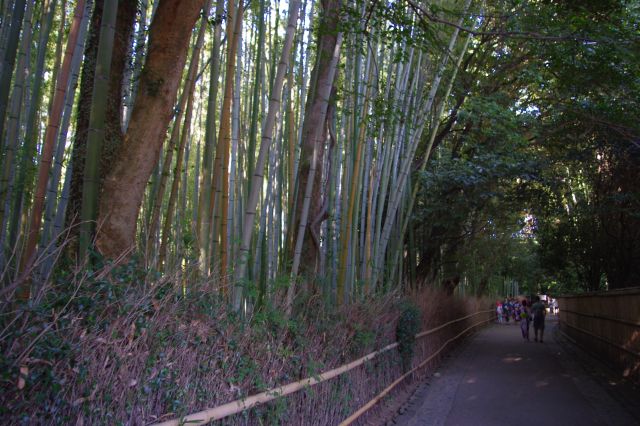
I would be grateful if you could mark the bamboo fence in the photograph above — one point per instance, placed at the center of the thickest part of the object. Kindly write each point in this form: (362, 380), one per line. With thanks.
(607, 324)
(240, 405)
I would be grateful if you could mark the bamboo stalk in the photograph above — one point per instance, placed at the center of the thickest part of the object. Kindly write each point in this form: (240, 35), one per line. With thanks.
(58, 53)
(205, 201)
(62, 85)
(355, 183)
(367, 242)
(53, 205)
(413, 144)
(255, 103)
(91, 178)
(291, 157)
(6, 8)
(225, 138)
(234, 190)
(267, 135)
(10, 143)
(29, 151)
(9, 57)
(386, 158)
(432, 138)
(166, 229)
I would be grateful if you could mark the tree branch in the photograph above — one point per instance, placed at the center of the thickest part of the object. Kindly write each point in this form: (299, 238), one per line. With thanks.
(420, 11)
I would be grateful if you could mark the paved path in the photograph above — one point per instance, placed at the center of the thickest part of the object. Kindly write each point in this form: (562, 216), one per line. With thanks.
(496, 378)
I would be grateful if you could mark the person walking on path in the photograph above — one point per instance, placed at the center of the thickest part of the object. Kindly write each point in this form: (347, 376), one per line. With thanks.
(539, 311)
(506, 311)
(525, 320)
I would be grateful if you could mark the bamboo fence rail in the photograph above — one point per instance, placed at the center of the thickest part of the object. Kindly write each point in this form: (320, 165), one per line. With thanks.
(243, 404)
(352, 418)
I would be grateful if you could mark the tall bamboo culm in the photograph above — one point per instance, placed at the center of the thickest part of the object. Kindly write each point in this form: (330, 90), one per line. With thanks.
(55, 116)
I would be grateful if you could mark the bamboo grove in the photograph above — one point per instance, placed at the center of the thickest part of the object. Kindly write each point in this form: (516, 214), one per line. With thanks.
(268, 146)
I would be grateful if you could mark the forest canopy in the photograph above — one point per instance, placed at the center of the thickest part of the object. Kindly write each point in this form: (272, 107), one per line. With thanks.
(352, 147)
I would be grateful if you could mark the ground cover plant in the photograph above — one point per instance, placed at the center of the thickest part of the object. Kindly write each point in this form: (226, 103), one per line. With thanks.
(114, 349)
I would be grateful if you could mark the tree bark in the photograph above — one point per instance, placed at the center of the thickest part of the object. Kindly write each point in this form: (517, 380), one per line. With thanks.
(313, 127)
(97, 127)
(324, 86)
(78, 152)
(175, 137)
(186, 99)
(113, 125)
(125, 184)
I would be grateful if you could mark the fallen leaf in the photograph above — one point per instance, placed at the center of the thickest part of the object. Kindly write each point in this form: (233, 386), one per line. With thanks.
(83, 399)
(132, 383)
(38, 361)
(132, 334)
(235, 389)
(24, 372)
(79, 401)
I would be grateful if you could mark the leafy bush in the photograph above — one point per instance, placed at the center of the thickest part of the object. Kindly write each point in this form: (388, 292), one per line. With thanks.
(406, 330)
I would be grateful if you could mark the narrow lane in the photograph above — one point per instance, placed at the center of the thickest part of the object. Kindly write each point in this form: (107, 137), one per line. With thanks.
(497, 378)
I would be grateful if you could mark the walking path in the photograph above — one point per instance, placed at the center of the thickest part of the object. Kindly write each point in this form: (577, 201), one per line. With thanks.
(497, 378)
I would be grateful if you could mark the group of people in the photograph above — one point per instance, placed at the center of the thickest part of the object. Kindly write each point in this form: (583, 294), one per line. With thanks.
(525, 312)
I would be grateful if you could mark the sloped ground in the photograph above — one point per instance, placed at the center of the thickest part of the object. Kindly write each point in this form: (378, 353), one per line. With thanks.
(113, 349)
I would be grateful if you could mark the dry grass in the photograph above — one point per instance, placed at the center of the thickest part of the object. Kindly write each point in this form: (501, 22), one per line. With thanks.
(117, 350)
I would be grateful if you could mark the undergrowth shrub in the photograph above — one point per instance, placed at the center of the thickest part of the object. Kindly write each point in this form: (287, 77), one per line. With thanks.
(113, 347)
(406, 330)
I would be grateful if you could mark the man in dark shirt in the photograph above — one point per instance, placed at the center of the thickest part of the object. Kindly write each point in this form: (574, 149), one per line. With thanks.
(538, 310)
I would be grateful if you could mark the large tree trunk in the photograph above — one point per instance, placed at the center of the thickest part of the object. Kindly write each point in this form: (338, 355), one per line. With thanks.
(125, 184)
(97, 127)
(313, 126)
(158, 199)
(188, 101)
(113, 125)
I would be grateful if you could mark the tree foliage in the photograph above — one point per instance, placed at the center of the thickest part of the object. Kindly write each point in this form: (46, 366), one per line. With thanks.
(514, 122)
